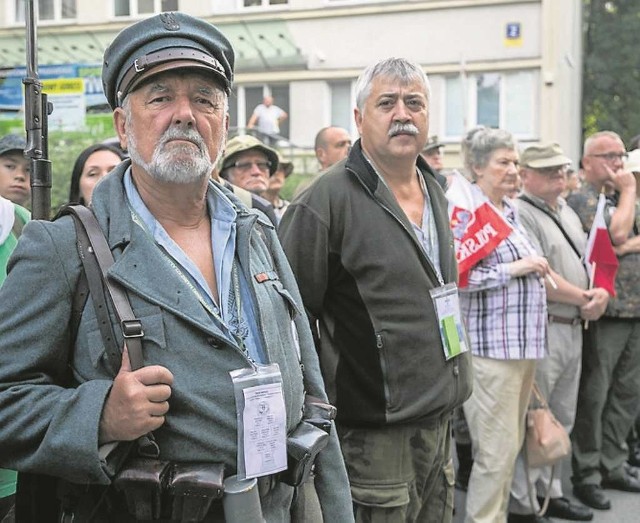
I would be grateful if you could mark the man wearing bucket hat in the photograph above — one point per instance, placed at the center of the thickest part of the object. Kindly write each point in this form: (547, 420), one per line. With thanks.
(556, 231)
(215, 298)
(243, 168)
(248, 163)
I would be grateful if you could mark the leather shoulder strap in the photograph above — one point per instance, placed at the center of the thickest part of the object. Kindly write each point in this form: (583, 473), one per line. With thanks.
(93, 246)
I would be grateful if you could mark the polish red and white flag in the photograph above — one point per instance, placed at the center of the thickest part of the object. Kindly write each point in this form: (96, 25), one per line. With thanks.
(477, 226)
(599, 258)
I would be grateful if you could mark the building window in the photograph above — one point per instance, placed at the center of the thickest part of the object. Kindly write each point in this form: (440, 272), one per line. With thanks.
(263, 3)
(341, 105)
(505, 100)
(143, 7)
(245, 99)
(48, 10)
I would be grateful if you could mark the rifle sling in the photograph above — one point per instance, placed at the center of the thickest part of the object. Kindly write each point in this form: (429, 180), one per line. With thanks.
(91, 239)
(95, 242)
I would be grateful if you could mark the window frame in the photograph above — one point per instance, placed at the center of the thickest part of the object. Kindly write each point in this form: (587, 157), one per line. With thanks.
(57, 14)
(264, 4)
(133, 13)
(470, 103)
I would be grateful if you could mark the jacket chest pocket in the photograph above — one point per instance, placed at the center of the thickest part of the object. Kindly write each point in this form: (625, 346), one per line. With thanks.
(154, 336)
(289, 302)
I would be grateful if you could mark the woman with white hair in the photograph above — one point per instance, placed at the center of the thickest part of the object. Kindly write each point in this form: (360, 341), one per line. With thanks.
(504, 306)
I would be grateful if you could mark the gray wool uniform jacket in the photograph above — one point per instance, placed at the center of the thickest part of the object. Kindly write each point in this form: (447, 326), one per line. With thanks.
(49, 428)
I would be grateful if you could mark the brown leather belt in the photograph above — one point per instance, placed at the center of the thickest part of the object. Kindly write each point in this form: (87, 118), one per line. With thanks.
(564, 321)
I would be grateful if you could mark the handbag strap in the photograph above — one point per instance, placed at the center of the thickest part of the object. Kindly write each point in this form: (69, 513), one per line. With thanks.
(531, 488)
(539, 397)
(542, 402)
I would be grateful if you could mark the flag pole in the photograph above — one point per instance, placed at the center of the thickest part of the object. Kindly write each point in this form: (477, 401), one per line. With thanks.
(592, 277)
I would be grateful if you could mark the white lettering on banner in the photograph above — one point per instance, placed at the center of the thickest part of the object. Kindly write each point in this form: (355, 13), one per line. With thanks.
(473, 244)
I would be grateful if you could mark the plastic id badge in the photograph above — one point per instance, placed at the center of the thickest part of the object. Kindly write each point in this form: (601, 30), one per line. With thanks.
(452, 333)
(262, 421)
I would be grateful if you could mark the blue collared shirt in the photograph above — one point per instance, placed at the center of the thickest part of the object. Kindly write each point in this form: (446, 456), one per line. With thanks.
(223, 241)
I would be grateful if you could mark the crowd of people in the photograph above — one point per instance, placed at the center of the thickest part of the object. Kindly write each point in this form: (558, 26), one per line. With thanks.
(343, 319)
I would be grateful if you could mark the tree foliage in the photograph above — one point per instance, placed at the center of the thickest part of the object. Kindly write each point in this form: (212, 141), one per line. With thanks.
(611, 79)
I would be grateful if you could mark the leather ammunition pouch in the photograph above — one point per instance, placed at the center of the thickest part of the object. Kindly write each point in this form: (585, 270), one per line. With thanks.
(319, 413)
(193, 487)
(306, 441)
(303, 445)
(155, 489)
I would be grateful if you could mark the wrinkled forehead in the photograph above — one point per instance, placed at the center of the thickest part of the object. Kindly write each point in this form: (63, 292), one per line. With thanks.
(396, 84)
(173, 79)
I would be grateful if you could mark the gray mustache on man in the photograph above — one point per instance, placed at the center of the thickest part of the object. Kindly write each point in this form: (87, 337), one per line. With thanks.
(402, 128)
(189, 134)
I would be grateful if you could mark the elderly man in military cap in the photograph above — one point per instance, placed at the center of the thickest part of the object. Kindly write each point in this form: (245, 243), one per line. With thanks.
(557, 232)
(276, 184)
(220, 312)
(432, 154)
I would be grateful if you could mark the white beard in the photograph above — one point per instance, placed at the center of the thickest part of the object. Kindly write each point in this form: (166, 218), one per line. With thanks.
(177, 163)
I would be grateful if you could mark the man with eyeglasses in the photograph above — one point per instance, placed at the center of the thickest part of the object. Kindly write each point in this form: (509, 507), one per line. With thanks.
(557, 232)
(247, 165)
(610, 384)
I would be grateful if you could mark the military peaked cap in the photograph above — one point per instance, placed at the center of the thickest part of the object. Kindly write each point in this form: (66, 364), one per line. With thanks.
(165, 41)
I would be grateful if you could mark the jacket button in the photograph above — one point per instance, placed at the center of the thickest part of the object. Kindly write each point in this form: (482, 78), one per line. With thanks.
(214, 343)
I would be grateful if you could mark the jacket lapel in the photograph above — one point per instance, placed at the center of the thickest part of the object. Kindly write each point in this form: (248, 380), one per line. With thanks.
(140, 265)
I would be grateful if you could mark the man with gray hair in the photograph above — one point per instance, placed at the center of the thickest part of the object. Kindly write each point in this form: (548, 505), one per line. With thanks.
(610, 383)
(372, 250)
(216, 321)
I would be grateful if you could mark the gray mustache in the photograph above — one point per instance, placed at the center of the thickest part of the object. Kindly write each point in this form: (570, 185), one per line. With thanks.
(402, 128)
(175, 133)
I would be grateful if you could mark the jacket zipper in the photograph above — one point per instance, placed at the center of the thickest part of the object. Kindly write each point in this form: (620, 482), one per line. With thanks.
(380, 347)
(379, 344)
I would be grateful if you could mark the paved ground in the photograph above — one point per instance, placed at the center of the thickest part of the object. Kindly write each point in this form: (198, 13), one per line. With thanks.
(625, 507)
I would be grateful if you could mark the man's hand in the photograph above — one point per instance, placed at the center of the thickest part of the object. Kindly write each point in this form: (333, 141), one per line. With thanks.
(595, 307)
(537, 264)
(137, 402)
(622, 179)
(629, 246)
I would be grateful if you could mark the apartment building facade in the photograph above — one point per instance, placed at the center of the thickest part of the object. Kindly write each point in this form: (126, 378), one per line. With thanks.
(514, 64)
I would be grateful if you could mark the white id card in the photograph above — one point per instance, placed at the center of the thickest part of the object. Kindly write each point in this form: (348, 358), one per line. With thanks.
(265, 430)
(262, 420)
(452, 333)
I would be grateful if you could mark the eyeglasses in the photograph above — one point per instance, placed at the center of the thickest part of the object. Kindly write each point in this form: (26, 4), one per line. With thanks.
(246, 166)
(609, 157)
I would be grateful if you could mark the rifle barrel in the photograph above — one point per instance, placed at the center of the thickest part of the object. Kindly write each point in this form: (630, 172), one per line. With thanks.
(36, 112)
